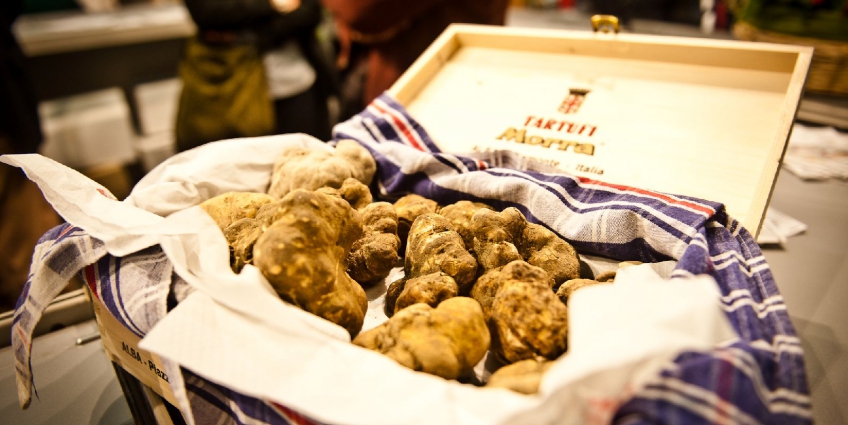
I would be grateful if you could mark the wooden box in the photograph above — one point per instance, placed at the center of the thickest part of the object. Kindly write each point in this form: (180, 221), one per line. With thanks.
(696, 117)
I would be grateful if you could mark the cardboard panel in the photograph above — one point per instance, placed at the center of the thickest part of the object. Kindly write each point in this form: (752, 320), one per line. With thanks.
(121, 347)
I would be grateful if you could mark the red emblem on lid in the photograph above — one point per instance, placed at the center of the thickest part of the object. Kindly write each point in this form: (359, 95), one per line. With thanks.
(572, 102)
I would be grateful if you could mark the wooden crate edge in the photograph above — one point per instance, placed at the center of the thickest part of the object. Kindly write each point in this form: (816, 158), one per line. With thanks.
(121, 346)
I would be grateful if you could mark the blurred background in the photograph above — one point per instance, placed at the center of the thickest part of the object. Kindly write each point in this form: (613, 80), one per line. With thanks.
(104, 81)
(106, 72)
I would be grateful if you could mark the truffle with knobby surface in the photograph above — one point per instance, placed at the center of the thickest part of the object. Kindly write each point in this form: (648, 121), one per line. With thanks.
(527, 319)
(302, 255)
(374, 255)
(446, 341)
(230, 207)
(312, 169)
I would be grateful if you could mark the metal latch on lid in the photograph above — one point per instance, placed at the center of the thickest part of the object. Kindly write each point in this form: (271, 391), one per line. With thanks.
(605, 23)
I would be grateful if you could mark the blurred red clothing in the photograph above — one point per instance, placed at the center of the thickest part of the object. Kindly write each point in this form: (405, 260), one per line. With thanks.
(396, 32)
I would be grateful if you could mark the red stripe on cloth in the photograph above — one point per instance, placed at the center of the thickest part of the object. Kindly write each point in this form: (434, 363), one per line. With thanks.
(291, 415)
(24, 338)
(91, 279)
(400, 125)
(65, 232)
(697, 207)
(724, 388)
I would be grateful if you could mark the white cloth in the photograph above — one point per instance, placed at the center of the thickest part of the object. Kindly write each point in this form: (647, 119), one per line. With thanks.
(287, 71)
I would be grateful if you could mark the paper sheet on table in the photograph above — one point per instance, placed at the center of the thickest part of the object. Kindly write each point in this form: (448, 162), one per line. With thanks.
(817, 153)
(233, 330)
(778, 227)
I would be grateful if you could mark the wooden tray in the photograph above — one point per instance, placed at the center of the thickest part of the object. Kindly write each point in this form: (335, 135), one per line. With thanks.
(697, 117)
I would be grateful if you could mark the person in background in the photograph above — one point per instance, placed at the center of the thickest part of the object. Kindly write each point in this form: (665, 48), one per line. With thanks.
(379, 39)
(298, 74)
(24, 213)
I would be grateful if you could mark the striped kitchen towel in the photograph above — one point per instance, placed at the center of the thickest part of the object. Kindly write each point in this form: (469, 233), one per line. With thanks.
(757, 378)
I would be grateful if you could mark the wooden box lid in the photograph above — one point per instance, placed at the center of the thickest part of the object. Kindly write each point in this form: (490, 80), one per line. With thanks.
(704, 118)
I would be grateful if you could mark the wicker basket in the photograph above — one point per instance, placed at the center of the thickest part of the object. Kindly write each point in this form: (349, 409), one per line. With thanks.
(829, 68)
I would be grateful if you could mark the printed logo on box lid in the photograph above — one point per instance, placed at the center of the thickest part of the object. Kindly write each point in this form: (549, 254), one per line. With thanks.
(572, 102)
(557, 133)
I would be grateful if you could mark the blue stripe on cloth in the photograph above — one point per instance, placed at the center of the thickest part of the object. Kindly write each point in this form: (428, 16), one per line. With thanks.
(58, 261)
(451, 162)
(59, 254)
(406, 130)
(719, 388)
(557, 185)
(108, 269)
(17, 316)
(120, 307)
(378, 127)
(659, 410)
(415, 126)
(63, 257)
(210, 400)
(212, 412)
(120, 279)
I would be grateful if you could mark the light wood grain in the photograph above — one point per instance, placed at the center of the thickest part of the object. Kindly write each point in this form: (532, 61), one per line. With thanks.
(702, 118)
